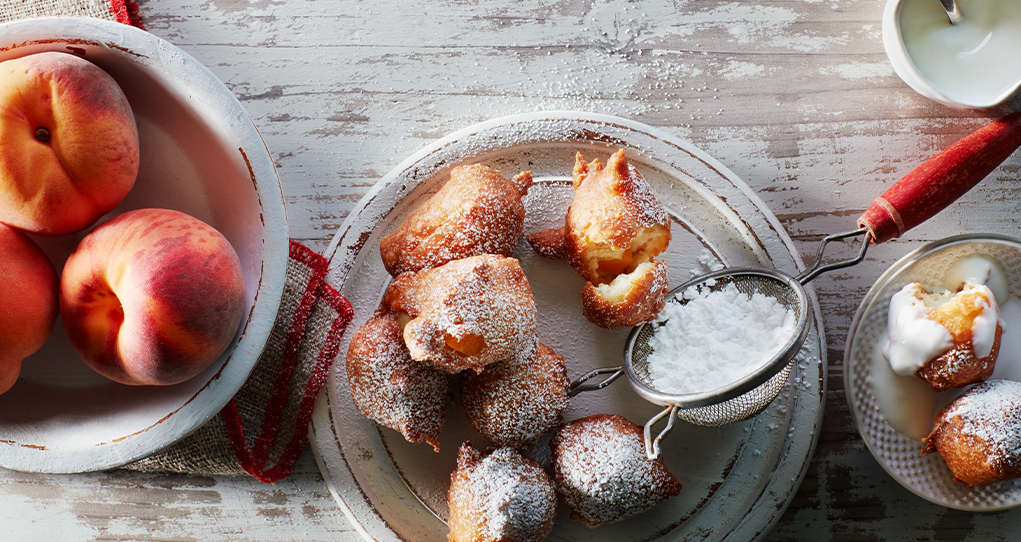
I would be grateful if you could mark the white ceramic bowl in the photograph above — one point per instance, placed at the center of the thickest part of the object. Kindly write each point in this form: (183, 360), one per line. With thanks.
(200, 154)
(973, 87)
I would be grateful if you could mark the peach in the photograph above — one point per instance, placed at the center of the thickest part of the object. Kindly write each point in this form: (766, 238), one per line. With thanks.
(70, 143)
(28, 301)
(152, 297)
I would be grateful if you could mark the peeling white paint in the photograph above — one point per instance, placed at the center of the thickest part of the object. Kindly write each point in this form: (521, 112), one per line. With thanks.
(861, 70)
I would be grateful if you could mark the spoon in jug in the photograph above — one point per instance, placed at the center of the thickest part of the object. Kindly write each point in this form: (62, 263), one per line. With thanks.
(953, 11)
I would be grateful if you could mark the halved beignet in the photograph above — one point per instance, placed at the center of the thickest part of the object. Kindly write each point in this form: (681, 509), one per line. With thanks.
(615, 223)
(979, 434)
(601, 470)
(390, 387)
(477, 211)
(629, 300)
(465, 314)
(499, 496)
(514, 402)
(612, 232)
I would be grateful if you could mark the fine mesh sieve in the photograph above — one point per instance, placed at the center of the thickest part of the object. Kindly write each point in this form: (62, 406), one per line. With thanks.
(747, 396)
(913, 199)
(752, 393)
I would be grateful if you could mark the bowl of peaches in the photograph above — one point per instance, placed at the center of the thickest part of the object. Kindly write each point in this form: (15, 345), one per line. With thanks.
(143, 245)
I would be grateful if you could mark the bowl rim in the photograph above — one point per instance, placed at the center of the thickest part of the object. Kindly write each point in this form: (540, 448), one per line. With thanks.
(66, 34)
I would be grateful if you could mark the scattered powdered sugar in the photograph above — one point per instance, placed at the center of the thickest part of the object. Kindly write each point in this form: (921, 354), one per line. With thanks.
(709, 261)
(716, 338)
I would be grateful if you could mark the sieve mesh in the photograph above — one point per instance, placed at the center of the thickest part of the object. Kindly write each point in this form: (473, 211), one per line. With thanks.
(753, 393)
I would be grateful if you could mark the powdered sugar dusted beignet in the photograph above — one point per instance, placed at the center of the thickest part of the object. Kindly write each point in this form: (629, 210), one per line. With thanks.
(477, 211)
(390, 387)
(465, 314)
(500, 496)
(514, 402)
(979, 434)
(601, 470)
(616, 222)
(613, 230)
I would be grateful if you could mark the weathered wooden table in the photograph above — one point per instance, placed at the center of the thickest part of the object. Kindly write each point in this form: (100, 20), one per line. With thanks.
(796, 97)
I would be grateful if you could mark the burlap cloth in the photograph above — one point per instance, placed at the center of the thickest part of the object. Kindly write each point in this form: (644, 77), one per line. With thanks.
(122, 11)
(264, 428)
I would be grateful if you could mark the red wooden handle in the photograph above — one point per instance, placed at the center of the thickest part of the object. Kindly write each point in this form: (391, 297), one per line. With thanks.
(940, 180)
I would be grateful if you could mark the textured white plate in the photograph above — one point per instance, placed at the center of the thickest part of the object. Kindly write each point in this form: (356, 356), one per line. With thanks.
(200, 154)
(737, 479)
(926, 475)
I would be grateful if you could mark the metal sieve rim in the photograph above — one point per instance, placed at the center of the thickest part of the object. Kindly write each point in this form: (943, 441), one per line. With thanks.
(749, 382)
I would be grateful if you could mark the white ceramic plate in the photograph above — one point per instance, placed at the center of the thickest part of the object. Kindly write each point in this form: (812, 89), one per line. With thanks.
(737, 479)
(926, 475)
(200, 154)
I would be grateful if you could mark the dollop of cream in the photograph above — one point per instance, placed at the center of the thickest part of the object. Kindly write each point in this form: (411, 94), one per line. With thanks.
(978, 269)
(914, 339)
(983, 332)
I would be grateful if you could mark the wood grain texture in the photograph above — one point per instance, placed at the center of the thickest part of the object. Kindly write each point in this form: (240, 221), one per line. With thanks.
(795, 97)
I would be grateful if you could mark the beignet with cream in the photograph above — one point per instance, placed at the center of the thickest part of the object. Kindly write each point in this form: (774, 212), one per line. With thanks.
(948, 339)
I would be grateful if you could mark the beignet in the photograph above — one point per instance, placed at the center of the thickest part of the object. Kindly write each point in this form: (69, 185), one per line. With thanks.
(601, 470)
(629, 300)
(500, 496)
(612, 232)
(465, 314)
(514, 402)
(477, 211)
(391, 388)
(615, 222)
(948, 339)
(979, 434)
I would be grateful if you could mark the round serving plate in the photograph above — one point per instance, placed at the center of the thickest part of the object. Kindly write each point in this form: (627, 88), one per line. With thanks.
(737, 479)
(925, 475)
(200, 153)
